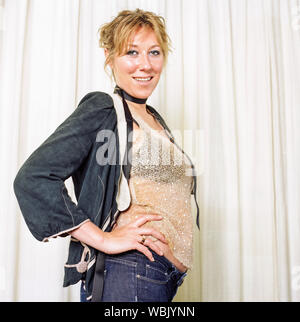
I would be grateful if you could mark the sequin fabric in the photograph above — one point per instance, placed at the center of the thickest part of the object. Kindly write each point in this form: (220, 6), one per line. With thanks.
(160, 183)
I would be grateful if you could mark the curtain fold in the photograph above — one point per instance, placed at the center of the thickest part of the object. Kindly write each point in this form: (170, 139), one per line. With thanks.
(230, 93)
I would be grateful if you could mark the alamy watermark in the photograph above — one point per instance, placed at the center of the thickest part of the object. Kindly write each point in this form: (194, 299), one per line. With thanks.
(150, 155)
(296, 18)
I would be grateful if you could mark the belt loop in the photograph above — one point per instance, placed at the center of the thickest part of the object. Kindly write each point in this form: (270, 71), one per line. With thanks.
(181, 279)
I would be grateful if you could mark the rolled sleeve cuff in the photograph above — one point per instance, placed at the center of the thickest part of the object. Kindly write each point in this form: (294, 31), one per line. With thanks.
(64, 233)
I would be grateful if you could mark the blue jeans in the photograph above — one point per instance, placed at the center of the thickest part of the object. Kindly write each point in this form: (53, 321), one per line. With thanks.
(132, 277)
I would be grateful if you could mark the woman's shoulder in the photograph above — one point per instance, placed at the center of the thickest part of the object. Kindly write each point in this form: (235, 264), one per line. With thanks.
(91, 111)
(97, 99)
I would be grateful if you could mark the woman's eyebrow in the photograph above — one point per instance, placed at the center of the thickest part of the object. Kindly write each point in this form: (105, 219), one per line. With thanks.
(133, 45)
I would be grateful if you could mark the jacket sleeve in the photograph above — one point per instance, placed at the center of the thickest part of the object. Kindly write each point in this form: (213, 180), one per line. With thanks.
(39, 185)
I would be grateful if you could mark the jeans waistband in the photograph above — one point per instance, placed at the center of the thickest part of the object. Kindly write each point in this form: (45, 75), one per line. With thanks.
(178, 276)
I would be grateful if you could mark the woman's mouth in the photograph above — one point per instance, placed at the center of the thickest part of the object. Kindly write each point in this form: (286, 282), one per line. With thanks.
(143, 79)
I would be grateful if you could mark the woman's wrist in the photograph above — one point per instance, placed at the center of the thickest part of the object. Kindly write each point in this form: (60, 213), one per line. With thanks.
(90, 234)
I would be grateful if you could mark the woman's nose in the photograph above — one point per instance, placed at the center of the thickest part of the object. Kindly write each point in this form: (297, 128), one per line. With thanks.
(144, 62)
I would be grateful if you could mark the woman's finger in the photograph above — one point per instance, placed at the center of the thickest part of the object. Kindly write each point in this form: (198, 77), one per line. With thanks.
(144, 218)
(143, 249)
(152, 232)
(153, 246)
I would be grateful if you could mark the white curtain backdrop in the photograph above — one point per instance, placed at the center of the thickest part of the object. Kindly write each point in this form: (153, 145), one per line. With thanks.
(231, 91)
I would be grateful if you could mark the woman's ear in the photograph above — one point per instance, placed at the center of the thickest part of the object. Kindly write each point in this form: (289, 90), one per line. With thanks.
(105, 52)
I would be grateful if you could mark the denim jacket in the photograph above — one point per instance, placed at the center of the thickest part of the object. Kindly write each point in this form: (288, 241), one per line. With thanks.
(92, 145)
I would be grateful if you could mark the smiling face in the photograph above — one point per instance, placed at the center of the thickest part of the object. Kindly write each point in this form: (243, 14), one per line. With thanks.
(138, 70)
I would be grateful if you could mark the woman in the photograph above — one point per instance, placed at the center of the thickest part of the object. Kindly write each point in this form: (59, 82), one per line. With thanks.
(131, 227)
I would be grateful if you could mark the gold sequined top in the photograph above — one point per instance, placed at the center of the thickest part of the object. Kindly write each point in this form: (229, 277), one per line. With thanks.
(160, 183)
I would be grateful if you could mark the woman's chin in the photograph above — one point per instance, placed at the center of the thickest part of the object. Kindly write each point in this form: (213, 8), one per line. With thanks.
(142, 93)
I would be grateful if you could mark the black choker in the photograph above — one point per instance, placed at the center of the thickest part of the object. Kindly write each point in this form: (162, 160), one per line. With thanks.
(128, 97)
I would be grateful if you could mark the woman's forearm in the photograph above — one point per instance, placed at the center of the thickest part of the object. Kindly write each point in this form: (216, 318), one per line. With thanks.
(90, 234)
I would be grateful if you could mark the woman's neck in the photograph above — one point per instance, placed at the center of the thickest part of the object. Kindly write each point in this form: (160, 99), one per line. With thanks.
(136, 106)
(129, 97)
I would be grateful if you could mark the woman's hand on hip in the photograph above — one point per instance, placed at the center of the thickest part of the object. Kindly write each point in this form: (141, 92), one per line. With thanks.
(133, 236)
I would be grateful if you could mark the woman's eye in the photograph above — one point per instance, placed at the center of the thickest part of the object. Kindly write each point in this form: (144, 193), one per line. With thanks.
(132, 52)
(155, 52)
